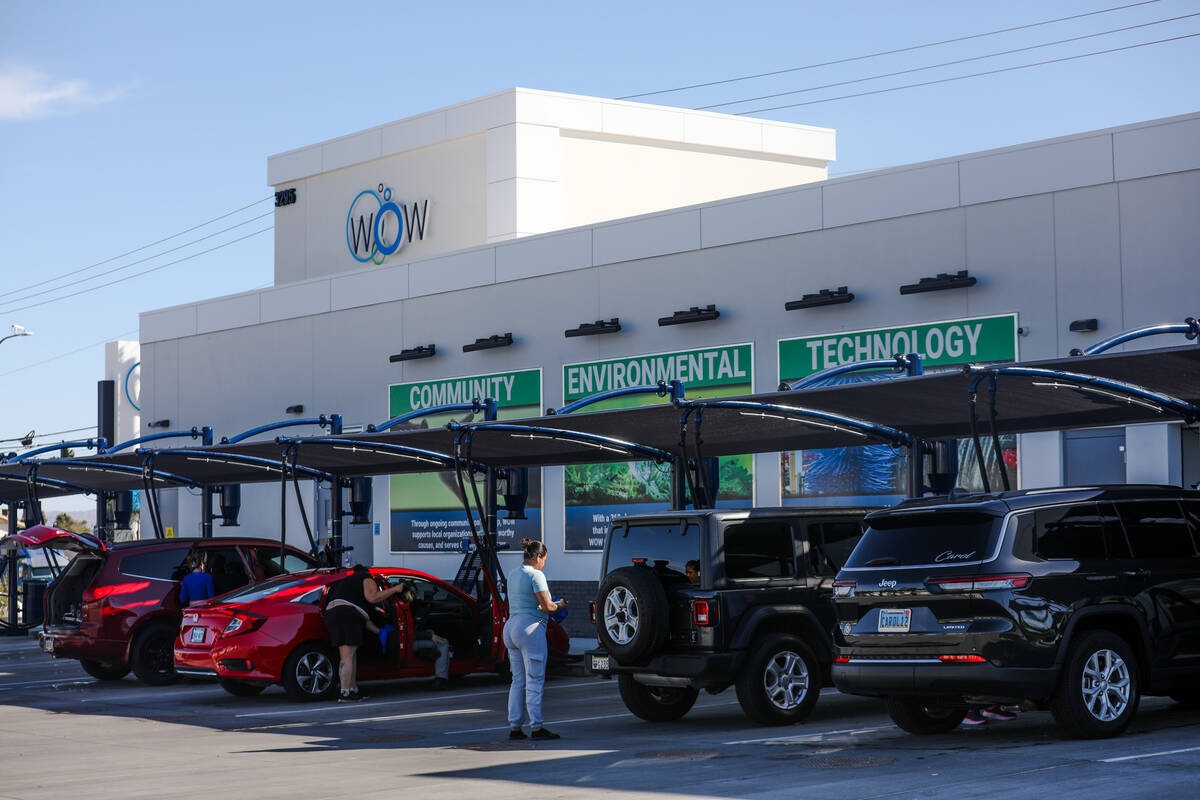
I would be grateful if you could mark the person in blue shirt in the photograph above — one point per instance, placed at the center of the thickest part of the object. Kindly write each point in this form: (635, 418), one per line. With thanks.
(197, 585)
(529, 606)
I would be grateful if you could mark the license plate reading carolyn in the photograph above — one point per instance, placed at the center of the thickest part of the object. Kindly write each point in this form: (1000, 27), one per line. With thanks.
(196, 636)
(600, 663)
(894, 620)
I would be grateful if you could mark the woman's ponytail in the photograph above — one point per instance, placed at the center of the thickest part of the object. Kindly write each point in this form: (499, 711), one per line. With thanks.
(533, 549)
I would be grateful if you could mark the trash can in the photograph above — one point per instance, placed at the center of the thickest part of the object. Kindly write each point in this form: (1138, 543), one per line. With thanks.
(33, 601)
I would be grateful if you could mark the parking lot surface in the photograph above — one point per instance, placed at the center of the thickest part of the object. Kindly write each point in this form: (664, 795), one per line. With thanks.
(67, 735)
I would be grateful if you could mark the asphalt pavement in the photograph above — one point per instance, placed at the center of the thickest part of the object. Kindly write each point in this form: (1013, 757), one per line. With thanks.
(68, 735)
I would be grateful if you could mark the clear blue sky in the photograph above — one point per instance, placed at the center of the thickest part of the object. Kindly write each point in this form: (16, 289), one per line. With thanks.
(122, 123)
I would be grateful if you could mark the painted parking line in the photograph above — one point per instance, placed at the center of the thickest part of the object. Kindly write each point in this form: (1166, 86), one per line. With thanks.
(364, 720)
(814, 735)
(1149, 755)
(47, 682)
(425, 699)
(558, 722)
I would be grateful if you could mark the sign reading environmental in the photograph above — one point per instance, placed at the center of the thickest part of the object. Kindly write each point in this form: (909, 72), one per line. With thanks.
(940, 343)
(426, 510)
(595, 493)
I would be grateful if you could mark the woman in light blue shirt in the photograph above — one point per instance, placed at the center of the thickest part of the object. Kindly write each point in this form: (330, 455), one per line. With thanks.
(529, 607)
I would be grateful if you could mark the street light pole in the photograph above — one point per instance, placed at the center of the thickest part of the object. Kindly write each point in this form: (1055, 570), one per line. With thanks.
(12, 623)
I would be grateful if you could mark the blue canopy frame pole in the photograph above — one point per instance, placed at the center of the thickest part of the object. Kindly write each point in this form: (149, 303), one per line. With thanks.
(1190, 328)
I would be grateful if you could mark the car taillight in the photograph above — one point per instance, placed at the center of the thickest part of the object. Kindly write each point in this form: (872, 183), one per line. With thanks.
(702, 614)
(980, 583)
(842, 660)
(962, 659)
(592, 611)
(844, 588)
(243, 622)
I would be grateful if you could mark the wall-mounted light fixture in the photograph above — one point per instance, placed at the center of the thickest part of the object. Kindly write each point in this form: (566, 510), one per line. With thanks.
(943, 280)
(1084, 325)
(825, 297)
(495, 340)
(296, 409)
(420, 351)
(593, 328)
(693, 314)
(159, 423)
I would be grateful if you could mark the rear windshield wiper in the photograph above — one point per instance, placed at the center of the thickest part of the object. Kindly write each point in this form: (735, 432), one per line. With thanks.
(884, 561)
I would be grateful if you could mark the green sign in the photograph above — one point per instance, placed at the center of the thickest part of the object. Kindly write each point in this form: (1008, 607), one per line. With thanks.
(707, 367)
(523, 388)
(952, 342)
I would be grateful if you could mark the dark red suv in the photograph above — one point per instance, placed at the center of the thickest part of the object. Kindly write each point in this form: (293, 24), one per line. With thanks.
(116, 607)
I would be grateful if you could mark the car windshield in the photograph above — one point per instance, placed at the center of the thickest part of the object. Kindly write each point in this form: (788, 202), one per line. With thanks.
(666, 547)
(257, 591)
(927, 539)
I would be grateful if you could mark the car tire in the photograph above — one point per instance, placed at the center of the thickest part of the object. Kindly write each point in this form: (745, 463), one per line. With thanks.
(923, 718)
(152, 656)
(311, 673)
(780, 681)
(656, 703)
(1099, 690)
(631, 614)
(241, 688)
(104, 672)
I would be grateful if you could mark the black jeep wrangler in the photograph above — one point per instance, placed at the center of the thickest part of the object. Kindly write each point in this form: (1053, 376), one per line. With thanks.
(715, 598)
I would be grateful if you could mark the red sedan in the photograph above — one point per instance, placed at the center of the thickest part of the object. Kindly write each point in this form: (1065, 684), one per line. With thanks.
(273, 632)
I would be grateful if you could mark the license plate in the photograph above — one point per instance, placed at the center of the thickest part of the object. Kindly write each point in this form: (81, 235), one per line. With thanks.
(48, 645)
(894, 620)
(600, 663)
(196, 636)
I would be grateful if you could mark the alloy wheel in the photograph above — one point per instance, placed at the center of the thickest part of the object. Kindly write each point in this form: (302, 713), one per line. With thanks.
(785, 680)
(621, 615)
(1106, 685)
(314, 673)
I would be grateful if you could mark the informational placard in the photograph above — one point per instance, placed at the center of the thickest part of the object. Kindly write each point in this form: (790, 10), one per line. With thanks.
(595, 493)
(877, 474)
(426, 510)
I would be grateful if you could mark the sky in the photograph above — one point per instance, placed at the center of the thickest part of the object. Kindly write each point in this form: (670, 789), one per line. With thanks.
(125, 123)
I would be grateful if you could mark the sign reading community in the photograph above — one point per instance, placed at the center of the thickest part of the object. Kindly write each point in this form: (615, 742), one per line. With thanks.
(595, 493)
(426, 513)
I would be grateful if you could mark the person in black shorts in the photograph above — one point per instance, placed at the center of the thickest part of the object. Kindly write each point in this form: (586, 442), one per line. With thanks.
(348, 617)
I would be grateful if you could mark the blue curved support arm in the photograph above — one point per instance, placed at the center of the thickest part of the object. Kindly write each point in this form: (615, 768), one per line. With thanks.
(92, 444)
(443, 460)
(237, 458)
(1118, 390)
(663, 388)
(333, 422)
(1189, 328)
(910, 364)
(124, 469)
(617, 446)
(808, 416)
(487, 405)
(205, 434)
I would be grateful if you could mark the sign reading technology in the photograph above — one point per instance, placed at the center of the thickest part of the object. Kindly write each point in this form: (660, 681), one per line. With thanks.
(377, 225)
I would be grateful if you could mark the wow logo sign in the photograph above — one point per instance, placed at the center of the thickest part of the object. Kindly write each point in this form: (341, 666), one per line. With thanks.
(377, 225)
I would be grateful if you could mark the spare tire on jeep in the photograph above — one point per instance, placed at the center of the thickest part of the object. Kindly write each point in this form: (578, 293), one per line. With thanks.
(631, 613)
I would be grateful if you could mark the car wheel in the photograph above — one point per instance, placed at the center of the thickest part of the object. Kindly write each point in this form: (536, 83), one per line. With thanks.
(631, 613)
(780, 681)
(152, 655)
(241, 688)
(923, 717)
(311, 673)
(656, 703)
(1099, 692)
(104, 672)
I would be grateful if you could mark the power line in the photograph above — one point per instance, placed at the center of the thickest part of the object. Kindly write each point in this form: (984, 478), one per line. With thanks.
(70, 353)
(130, 264)
(48, 435)
(888, 52)
(139, 274)
(135, 250)
(948, 63)
(972, 75)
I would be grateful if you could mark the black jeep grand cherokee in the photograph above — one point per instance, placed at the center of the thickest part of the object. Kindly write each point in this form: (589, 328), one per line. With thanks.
(710, 599)
(1079, 600)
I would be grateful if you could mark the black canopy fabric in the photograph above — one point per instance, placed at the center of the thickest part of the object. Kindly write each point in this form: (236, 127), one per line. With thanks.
(930, 407)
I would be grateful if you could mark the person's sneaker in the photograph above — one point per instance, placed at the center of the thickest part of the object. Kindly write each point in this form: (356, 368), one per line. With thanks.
(440, 684)
(542, 733)
(996, 712)
(351, 697)
(516, 733)
(973, 717)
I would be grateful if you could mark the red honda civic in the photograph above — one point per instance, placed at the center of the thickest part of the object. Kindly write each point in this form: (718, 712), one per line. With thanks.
(273, 632)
